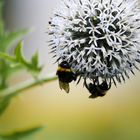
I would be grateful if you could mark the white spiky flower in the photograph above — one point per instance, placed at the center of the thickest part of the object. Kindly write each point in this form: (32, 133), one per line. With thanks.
(98, 38)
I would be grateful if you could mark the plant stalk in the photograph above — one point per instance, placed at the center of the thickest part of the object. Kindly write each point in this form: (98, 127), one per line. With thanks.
(14, 90)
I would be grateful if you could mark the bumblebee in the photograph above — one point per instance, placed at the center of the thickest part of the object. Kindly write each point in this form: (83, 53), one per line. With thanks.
(65, 75)
(98, 90)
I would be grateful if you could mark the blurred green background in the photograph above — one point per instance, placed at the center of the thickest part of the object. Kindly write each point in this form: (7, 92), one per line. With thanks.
(64, 116)
(74, 116)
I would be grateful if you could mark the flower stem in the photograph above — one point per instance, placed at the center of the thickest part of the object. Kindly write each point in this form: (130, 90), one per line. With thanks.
(14, 90)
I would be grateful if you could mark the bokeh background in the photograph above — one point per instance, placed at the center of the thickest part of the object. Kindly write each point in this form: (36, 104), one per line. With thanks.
(64, 116)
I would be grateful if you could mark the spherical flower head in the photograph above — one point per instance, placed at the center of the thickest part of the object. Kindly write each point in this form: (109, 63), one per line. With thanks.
(98, 38)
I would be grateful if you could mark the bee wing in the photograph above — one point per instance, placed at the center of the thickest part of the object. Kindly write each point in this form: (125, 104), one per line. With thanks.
(64, 86)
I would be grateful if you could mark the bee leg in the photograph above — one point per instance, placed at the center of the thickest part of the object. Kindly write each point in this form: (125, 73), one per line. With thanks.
(88, 86)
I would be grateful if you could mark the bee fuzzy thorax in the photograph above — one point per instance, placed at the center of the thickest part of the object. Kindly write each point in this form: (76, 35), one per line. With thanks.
(65, 75)
(63, 69)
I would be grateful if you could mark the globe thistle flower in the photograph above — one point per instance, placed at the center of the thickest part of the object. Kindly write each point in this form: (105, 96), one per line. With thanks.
(100, 39)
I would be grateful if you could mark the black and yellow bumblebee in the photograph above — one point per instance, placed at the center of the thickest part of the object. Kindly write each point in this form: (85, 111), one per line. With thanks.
(65, 75)
(98, 90)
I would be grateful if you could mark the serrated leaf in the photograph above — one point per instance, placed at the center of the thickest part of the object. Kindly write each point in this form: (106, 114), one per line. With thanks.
(21, 134)
(7, 57)
(32, 65)
(19, 59)
(35, 63)
(35, 59)
(11, 67)
(10, 38)
(19, 55)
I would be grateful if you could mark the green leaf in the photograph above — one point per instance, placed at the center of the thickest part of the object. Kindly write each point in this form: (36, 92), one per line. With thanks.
(35, 59)
(4, 102)
(33, 65)
(10, 68)
(4, 69)
(21, 134)
(19, 55)
(19, 61)
(7, 57)
(10, 38)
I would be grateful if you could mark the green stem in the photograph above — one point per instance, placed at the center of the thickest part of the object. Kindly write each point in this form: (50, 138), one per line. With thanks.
(14, 90)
